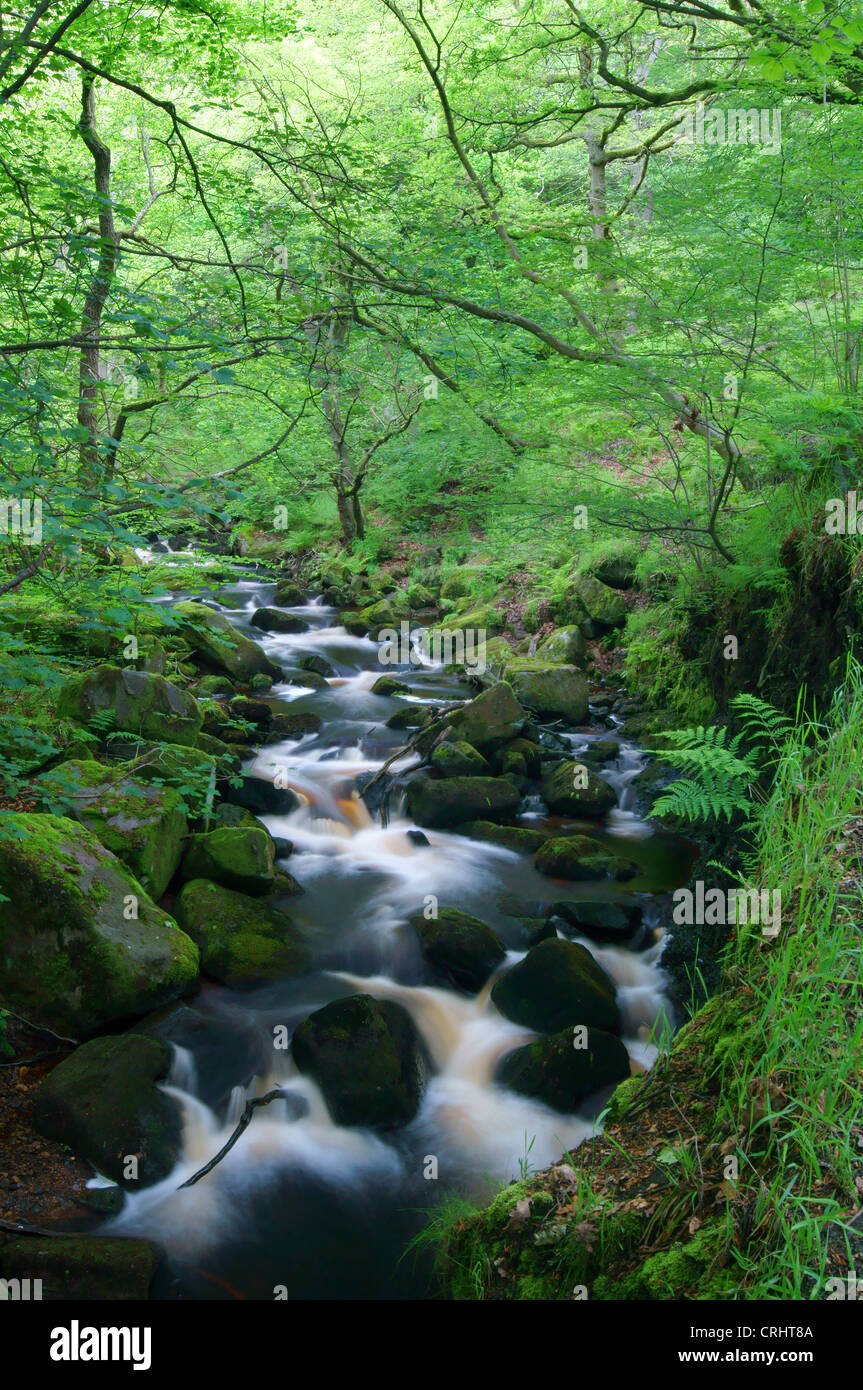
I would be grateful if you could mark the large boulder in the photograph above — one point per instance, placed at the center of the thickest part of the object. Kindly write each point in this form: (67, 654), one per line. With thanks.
(274, 620)
(105, 1103)
(237, 857)
(242, 939)
(441, 805)
(579, 859)
(461, 949)
(573, 790)
(367, 1058)
(143, 824)
(218, 642)
(490, 720)
(135, 702)
(556, 986)
(559, 691)
(604, 605)
(82, 946)
(563, 1070)
(566, 645)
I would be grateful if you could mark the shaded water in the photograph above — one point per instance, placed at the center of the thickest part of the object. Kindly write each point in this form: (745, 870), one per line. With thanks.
(307, 1206)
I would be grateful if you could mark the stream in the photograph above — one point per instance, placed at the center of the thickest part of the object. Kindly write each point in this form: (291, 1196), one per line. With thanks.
(302, 1207)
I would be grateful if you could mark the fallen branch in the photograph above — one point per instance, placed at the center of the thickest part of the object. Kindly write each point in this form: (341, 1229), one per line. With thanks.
(243, 1124)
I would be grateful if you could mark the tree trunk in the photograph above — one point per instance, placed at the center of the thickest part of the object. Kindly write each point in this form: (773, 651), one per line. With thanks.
(100, 285)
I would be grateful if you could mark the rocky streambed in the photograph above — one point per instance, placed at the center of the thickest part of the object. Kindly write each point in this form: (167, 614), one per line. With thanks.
(416, 922)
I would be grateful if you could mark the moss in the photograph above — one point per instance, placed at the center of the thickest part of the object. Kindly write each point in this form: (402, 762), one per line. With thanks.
(673, 1273)
(69, 955)
(242, 939)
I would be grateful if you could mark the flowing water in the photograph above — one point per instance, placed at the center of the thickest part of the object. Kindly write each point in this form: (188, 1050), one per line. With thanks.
(300, 1204)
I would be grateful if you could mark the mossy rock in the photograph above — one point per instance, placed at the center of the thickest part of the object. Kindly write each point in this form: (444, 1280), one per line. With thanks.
(388, 685)
(461, 949)
(237, 857)
(572, 789)
(558, 985)
(489, 721)
(579, 859)
(482, 619)
(442, 805)
(566, 645)
(603, 605)
(285, 725)
(208, 686)
(459, 584)
(563, 1070)
(458, 759)
(559, 691)
(537, 612)
(289, 594)
(100, 1269)
(411, 717)
(71, 954)
(144, 825)
(219, 643)
(242, 939)
(375, 616)
(516, 837)
(274, 620)
(367, 1058)
(191, 772)
(104, 1102)
(132, 701)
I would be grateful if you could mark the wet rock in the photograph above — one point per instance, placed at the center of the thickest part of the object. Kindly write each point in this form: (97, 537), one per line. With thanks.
(601, 750)
(582, 860)
(138, 702)
(291, 726)
(388, 685)
(238, 857)
(274, 620)
(289, 594)
(142, 824)
(255, 712)
(556, 986)
(101, 1269)
(282, 848)
(104, 1102)
(573, 789)
(367, 1058)
(411, 717)
(218, 642)
(417, 837)
(559, 691)
(460, 948)
(71, 956)
(458, 759)
(454, 800)
(318, 664)
(490, 720)
(605, 923)
(563, 1070)
(242, 939)
(517, 837)
(263, 797)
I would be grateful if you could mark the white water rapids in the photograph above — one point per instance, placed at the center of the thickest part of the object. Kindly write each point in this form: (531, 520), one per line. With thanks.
(362, 881)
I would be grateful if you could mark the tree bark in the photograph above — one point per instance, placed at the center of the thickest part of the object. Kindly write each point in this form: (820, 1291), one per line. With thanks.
(100, 286)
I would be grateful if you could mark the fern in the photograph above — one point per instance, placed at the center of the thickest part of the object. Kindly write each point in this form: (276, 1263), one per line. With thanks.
(721, 775)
